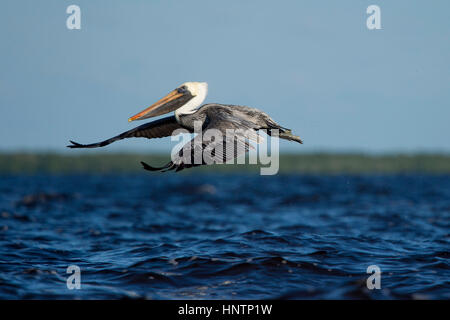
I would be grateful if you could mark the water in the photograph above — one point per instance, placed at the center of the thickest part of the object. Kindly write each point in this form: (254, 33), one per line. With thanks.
(176, 236)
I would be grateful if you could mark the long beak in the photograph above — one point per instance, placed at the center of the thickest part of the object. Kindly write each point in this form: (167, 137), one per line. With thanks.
(167, 104)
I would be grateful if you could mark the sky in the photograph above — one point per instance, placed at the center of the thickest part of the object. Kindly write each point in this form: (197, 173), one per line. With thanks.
(314, 66)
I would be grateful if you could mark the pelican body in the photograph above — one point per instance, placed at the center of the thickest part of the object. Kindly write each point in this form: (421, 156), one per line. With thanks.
(186, 101)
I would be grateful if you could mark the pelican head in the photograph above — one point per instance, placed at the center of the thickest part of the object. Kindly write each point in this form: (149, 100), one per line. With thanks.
(185, 100)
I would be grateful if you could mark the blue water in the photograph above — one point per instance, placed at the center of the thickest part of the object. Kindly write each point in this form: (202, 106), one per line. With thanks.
(171, 236)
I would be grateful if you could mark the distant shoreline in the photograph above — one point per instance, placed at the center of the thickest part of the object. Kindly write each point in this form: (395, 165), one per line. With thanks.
(311, 163)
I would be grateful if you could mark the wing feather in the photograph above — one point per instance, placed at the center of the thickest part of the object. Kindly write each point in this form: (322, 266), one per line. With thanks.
(155, 129)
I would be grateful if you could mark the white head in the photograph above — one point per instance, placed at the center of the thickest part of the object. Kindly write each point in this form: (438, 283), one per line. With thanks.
(199, 91)
(184, 100)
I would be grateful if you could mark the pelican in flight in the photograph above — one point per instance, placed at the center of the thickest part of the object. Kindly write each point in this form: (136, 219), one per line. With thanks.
(186, 101)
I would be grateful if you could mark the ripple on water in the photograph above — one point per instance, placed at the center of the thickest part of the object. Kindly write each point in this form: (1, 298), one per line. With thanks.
(213, 236)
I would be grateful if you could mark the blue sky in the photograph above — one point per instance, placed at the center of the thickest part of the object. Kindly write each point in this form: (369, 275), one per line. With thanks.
(312, 65)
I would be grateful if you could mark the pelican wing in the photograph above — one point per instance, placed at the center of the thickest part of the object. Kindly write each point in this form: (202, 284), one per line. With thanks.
(155, 129)
(205, 149)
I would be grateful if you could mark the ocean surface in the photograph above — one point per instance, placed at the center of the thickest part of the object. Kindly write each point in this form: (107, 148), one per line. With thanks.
(172, 236)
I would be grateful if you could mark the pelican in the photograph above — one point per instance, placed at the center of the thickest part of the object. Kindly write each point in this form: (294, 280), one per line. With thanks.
(186, 101)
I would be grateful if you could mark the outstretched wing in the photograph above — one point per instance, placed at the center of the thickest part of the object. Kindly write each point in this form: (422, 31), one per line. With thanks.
(155, 129)
(224, 138)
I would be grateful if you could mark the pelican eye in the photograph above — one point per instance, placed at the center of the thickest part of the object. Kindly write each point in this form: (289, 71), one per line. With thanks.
(182, 89)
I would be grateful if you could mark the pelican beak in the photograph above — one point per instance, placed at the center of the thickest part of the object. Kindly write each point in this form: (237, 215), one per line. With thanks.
(170, 102)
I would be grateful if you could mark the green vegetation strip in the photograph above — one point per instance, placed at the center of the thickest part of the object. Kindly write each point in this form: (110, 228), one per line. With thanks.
(327, 163)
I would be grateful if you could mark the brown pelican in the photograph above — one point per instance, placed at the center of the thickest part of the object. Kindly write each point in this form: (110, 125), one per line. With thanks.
(186, 101)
